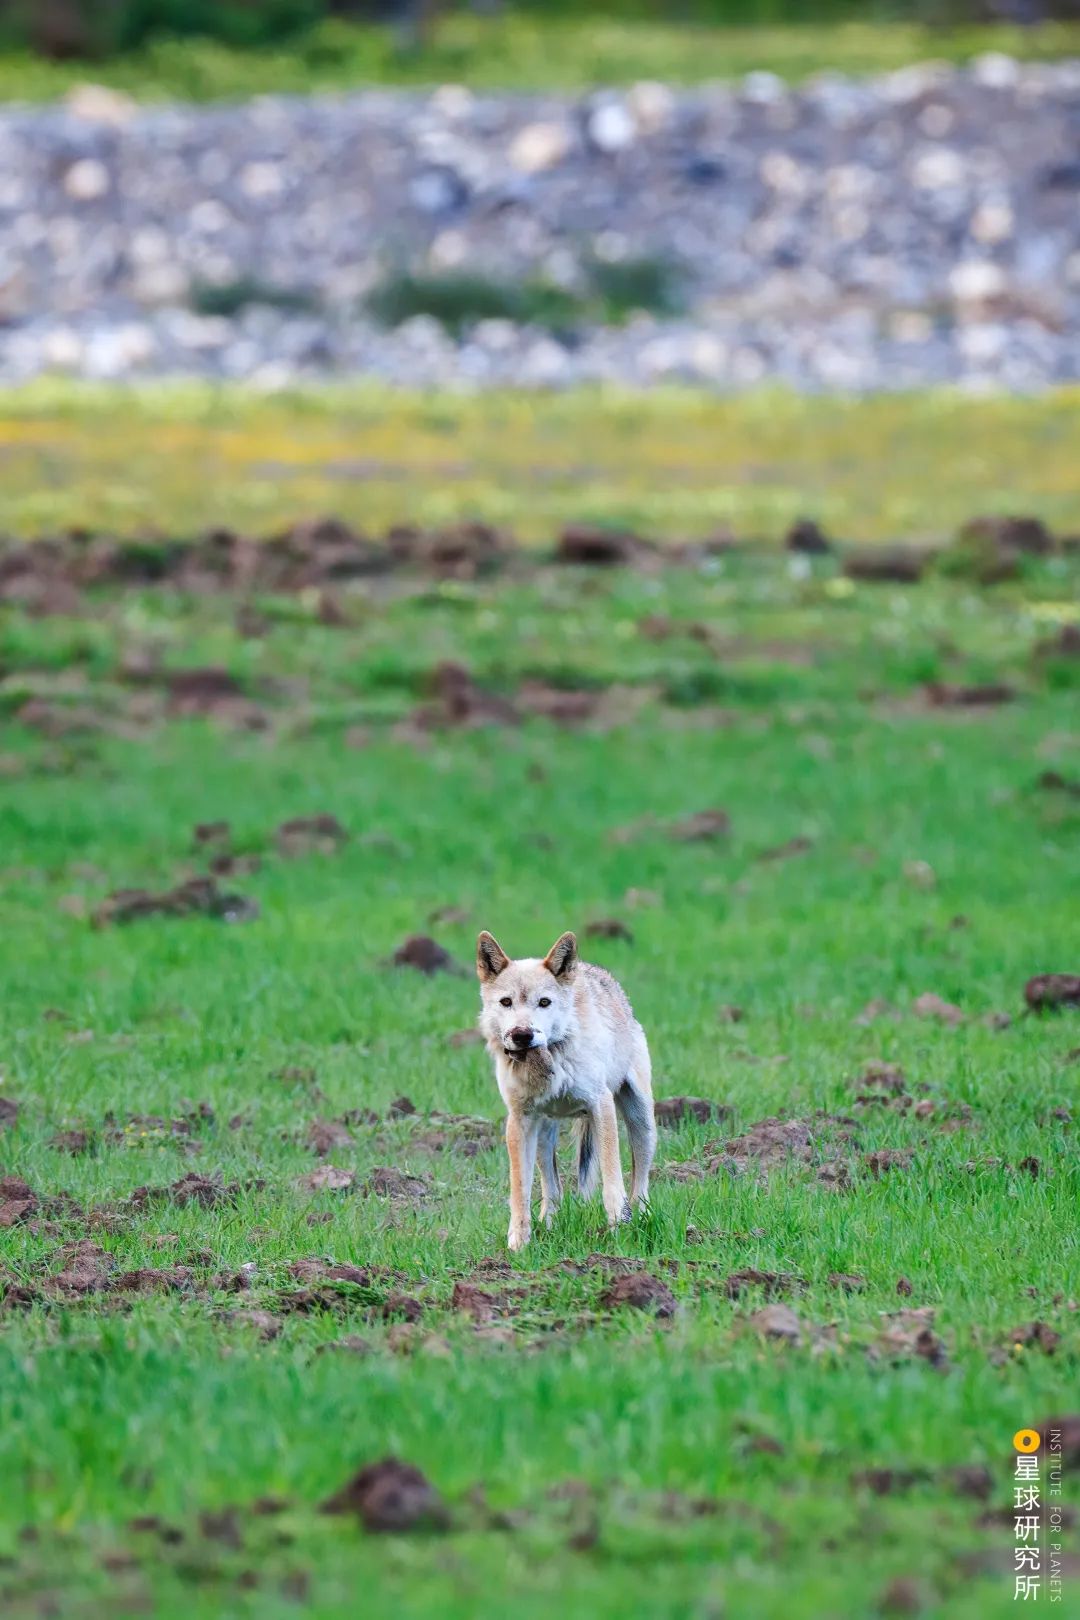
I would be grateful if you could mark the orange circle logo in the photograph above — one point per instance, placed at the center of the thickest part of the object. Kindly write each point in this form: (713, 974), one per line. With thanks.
(1026, 1440)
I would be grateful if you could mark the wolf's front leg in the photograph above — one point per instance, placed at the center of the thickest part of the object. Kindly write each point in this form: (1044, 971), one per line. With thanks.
(550, 1185)
(521, 1134)
(606, 1126)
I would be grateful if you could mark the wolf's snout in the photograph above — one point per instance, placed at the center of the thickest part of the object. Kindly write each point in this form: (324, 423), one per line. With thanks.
(521, 1038)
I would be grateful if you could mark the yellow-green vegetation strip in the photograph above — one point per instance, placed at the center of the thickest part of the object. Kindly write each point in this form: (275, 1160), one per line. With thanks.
(517, 52)
(673, 463)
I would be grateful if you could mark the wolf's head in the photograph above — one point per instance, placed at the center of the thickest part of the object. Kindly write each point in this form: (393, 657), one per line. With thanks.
(527, 1004)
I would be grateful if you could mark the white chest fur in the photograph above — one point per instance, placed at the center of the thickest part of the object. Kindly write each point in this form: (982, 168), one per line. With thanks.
(545, 1082)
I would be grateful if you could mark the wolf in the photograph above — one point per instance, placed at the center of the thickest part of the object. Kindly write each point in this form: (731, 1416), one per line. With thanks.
(566, 1045)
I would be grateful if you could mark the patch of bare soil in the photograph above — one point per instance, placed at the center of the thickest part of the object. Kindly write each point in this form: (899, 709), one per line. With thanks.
(591, 546)
(327, 1178)
(989, 694)
(771, 1283)
(640, 1292)
(465, 1134)
(887, 565)
(74, 1142)
(615, 704)
(990, 549)
(454, 698)
(1055, 782)
(320, 834)
(909, 1332)
(885, 1087)
(1064, 645)
(449, 916)
(151, 1130)
(674, 1111)
(660, 627)
(772, 1142)
(199, 896)
(886, 1159)
(85, 1269)
(929, 1005)
(426, 955)
(480, 1304)
(786, 852)
(874, 1010)
(390, 1496)
(777, 1322)
(353, 1344)
(321, 1271)
(389, 1182)
(822, 1141)
(207, 1191)
(1035, 1335)
(214, 693)
(806, 536)
(153, 1280)
(883, 1078)
(459, 551)
(705, 826)
(1052, 990)
(608, 928)
(17, 1201)
(263, 1323)
(324, 1135)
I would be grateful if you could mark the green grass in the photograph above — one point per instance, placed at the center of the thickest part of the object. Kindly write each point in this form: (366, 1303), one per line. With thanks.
(676, 463)
(595, 1431)
(459, 299)
(522, 52)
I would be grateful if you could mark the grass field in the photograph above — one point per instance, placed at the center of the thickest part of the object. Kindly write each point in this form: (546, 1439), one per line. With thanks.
(675, 463)
(176, 1400)
(523, 52)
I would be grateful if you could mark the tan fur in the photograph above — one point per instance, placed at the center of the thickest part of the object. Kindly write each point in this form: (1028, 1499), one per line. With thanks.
(582, 1056)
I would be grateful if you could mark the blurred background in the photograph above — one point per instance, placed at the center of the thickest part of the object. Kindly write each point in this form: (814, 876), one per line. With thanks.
(828, 196)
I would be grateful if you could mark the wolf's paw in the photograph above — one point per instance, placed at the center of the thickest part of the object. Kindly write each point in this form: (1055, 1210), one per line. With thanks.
(517, 1237)
(617, 1212)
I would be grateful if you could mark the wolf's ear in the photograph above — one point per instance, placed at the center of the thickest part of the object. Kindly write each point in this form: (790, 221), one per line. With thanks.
(490, 957)
(562, 957)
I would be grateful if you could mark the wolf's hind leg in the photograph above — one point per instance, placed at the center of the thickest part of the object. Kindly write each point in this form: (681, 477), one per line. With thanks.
(588, 1165)
(550, 1185)
(635, 1104)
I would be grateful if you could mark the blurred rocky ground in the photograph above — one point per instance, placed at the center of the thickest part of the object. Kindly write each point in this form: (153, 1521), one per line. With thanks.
(918, 228)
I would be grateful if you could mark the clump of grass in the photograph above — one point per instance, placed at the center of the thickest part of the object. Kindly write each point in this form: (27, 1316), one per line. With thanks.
(623, 287)
(459, 299)
(229, 298)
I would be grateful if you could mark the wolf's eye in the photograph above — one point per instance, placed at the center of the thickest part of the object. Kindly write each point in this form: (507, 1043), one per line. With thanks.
(545, 1001)
(506, 1001)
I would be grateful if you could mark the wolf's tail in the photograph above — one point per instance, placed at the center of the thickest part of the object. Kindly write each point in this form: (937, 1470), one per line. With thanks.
(588, 1166)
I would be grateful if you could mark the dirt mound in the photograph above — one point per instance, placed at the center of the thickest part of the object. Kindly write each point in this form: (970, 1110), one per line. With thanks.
(1050, 990)
(390, 1496)
(641, 1292)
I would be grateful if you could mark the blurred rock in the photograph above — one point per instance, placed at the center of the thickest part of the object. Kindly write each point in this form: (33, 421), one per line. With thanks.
(538, 147)
(910, 230)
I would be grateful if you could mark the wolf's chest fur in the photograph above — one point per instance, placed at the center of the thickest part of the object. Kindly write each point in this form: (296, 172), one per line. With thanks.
(545, 1081)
